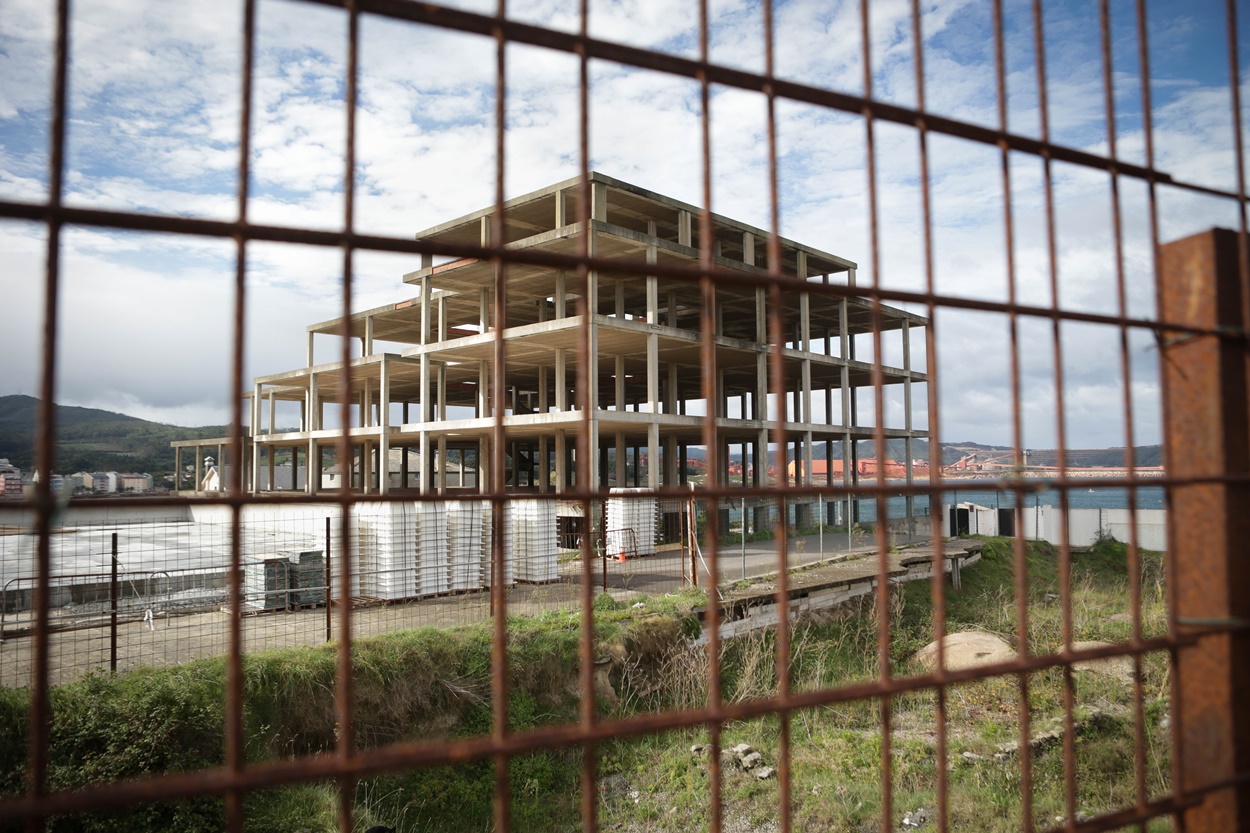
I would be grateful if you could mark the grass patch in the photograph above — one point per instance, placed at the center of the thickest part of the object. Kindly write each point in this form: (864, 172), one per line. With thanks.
(434, 683)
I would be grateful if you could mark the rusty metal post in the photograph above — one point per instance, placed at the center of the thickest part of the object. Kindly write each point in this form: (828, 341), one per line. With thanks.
(113, 611)
(329, 587)
(1205, 417)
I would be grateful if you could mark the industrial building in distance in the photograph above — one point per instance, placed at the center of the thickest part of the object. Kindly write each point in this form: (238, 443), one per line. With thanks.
(421, 390)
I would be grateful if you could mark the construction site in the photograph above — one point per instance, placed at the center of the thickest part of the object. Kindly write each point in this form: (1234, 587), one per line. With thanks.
(423, 404)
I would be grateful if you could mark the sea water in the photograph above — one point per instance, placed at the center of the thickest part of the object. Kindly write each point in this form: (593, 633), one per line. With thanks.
(1080, 497)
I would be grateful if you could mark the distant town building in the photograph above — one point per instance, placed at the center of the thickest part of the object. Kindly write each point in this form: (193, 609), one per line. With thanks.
(132, 482)
(10, 481)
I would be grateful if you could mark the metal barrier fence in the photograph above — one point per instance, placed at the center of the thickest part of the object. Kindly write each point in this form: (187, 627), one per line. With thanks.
(164, 599)
(1200, 324)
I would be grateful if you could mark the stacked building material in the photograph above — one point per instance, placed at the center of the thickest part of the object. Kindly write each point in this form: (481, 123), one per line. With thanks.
(467, 549)
(307, 576)
(509, 565)
(429, 539)
(265, 583)
(630, 523)
(531, 540)
(387, 556)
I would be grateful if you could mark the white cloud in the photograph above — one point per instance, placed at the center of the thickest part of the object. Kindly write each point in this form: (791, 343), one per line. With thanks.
(155, 109)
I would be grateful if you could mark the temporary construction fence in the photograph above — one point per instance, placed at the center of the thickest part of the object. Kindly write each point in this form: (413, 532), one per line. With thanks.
(149, 588)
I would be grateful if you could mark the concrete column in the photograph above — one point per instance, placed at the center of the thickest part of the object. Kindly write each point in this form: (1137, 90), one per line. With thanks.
(273, 411)
(254, 474)
(366, 467)
(670, 399)
(595, 480)
(685, 234)
(314, 404)
(672, 309)
(562, 385)
(310, 350)
(368, 345)
(599, 201)
(483, 464)
(544, 464)
(619, 310)
(620, 383)
(483, 309)
(312, 474)
(384, 440)
(653, 455)
(763, 457)
(807, 458)
(653, 373)
(561, 216)
(562, 461)
(442, 319)
(761, 317)
(425, 310)
(800, 270)
(670, 461)
(423, 395)
(483, 390)
(544, 405)
(592, 371)
(442, 392)
(427, 468)
(269, 456)
(761, 383)
(748, 248)
(177, 468)
(441, 474)
(622, 464)
(560, 296)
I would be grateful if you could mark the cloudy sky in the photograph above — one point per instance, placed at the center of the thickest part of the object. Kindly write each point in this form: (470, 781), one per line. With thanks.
(153, 126)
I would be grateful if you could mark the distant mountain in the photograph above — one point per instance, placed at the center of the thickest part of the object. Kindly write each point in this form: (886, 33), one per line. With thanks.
(20, 413)
(89, 439)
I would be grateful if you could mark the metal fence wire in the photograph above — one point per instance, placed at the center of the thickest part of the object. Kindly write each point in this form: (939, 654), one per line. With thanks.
(1200, 327)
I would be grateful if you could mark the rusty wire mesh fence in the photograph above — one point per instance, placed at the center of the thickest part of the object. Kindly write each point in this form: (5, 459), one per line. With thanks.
(154, 594)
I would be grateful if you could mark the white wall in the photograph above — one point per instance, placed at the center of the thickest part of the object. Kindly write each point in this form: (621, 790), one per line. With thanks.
(1085, 526)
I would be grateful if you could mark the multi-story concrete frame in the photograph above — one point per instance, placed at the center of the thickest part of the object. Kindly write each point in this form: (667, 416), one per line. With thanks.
(428, 390)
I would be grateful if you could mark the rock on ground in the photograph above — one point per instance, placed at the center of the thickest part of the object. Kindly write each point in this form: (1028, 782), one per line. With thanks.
(967, 649)
(1119, 668)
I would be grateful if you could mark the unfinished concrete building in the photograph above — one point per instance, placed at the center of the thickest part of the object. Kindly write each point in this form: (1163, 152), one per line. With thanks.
(421, 389)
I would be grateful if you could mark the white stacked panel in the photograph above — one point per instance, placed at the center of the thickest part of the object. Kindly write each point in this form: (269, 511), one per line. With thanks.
(387, 558)
(631, 513)
(431, 548)
(364, 554)
(509, 563)
(464, 544)
(532, 539)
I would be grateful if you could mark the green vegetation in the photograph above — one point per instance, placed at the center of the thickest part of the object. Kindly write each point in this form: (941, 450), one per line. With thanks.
(434, 683)
(88, 439)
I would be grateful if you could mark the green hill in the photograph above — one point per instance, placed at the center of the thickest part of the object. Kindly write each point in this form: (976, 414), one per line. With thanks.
(89, 439)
